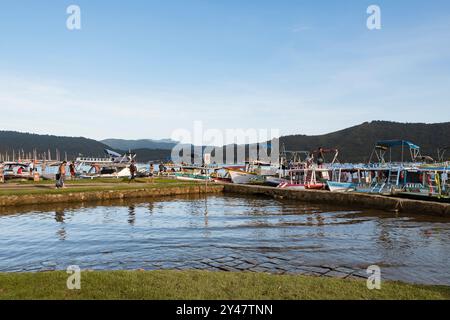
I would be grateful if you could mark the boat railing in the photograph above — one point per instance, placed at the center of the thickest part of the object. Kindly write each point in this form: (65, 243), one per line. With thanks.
(93, 160)
(413, 186)
(378, 187)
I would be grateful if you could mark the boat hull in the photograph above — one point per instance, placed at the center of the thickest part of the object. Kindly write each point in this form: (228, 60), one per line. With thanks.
(274, 181)
(423, 196)
(241, 177)
(190, 177)
(222, 180)
(341, 186)
(292, 186)
(17, 176)
(124, 173)
(316, 186)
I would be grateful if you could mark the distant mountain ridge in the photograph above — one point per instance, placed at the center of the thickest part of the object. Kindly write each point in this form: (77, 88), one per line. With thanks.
(355, 143)
(122, 144)
(15, 142)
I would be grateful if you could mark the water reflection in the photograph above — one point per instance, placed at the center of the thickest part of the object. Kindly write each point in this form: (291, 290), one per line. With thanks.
(131, 215)
(198, 232)
(61, 232)
(59, 216)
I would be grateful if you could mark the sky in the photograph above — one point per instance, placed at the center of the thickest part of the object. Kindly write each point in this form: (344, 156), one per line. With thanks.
(145, 69)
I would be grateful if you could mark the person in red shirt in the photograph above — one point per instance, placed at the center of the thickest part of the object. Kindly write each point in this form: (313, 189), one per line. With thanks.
(72, 170)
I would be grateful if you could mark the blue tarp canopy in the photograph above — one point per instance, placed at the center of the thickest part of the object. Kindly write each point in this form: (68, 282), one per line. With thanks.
(395, 143)
(112, 153)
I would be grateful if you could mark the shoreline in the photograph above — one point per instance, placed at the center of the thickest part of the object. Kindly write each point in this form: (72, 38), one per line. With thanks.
(98, 192)
(349, 199)
(29, 194)
(49, 284)
(201, 285)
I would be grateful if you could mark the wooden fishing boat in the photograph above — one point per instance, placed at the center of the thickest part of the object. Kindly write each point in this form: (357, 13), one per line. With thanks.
(16, 171)
(244, 177)
(192, 173)
(254, 172)
(221, 175)
(107, 171)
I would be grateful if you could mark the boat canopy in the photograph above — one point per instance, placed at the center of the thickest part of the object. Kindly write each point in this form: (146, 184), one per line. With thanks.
(441, 153)
(16, 164)
(395, 143)
(383, 146)
(112, 153)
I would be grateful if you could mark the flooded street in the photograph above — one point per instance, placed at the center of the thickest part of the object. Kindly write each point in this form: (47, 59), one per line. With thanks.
(226, 232)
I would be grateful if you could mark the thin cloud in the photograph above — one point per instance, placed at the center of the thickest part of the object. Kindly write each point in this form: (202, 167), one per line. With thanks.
(300, 28)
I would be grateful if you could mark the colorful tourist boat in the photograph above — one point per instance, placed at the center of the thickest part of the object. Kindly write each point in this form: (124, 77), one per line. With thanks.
(385, 176)
(335, 186)
(274, 181)
(306, 178)
(312, 173)
(427, 183)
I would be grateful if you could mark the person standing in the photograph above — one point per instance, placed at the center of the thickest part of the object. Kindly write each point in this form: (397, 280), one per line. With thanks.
(320, 157)
(31, 167)
(61, 175)
(72, 170)
(133, 170)
(152, 170)
(444, 179)
(2, 177)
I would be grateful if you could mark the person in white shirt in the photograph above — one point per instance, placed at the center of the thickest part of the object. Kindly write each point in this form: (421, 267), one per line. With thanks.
(444, 178)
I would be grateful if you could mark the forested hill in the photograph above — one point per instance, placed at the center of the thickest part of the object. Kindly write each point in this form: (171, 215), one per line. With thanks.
(356, 143)
(27, 142)
(121, 144)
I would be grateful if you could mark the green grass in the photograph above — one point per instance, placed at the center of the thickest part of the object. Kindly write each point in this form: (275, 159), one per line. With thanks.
(203, 285)
(89, 181)
(84, 181)
(74, 186)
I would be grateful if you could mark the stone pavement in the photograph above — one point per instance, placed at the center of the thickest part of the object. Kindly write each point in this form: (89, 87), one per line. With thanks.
(272, 265)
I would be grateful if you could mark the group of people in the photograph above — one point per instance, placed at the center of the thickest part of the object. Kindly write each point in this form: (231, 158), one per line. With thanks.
(61, 174)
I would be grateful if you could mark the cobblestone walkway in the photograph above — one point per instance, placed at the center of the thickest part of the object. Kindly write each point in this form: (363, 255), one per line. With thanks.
(270, 264)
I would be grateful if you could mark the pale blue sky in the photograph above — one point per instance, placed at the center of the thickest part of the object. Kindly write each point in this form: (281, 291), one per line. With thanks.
(141, 69)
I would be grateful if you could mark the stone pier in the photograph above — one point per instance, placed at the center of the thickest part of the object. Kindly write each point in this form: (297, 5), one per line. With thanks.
(102, 195)
(349, 199)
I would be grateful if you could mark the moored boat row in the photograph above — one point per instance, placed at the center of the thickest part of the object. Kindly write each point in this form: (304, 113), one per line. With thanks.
(414, 176)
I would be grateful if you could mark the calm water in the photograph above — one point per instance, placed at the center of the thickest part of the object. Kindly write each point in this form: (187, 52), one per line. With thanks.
(225, 233)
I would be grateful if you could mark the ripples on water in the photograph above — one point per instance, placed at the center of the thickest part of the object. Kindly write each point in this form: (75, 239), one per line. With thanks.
(224, 232)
